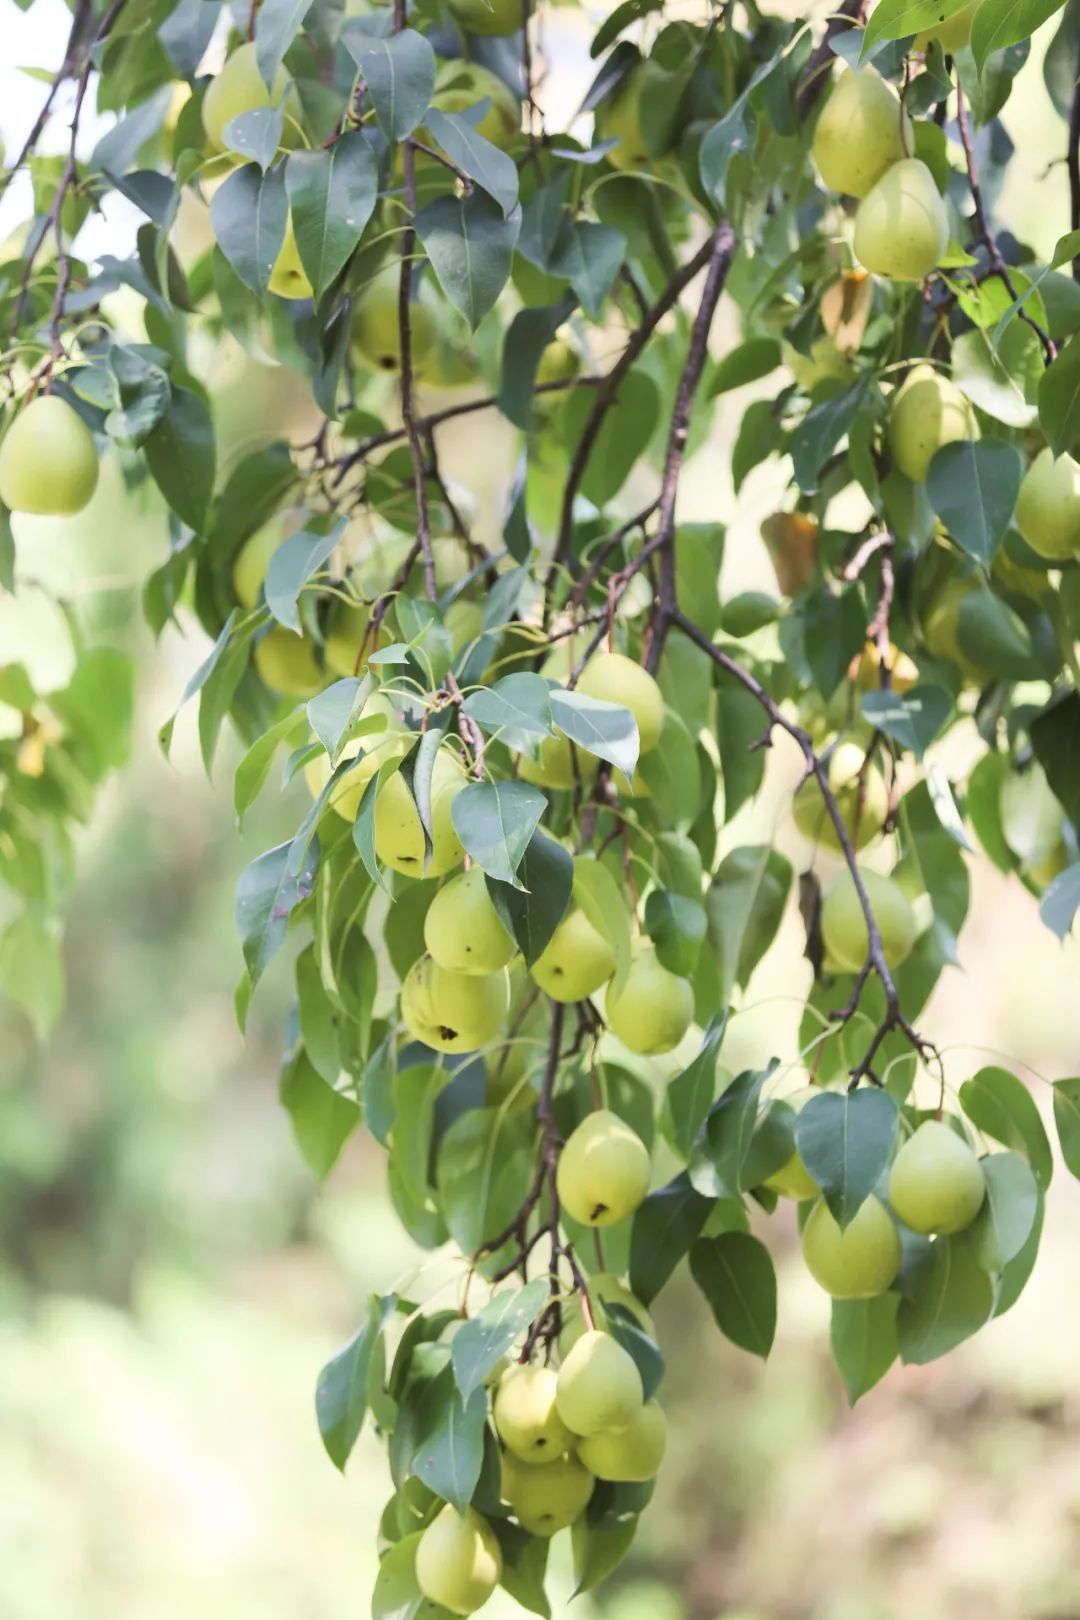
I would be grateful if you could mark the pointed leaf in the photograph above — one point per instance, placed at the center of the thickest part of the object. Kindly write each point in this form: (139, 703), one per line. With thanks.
(735, 1273)
(846, 1142)
(470, 244)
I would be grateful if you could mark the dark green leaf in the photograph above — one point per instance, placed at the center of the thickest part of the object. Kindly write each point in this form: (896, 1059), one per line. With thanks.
(664, 1228)
(322, 1119)
(265, 896)
(482, 161)
(627, 428)
(745, 904)
(480, 1345)
(1067, 1120)
(181, 457)
(470, 244)
(846, 1142)
(340, 1395)
(399, 72)
(277, 23)
(290, 568)
(449, 1461)
(533, 912)
(748, 363)
(1009, 1211)
(249, 214)
(973, 485)
(912, 718)
(864, 1341)
(677, 926)
(607, 730)
(999, 1104)
(495, 821)
(999, 23)
(735, 1273)
(821, 430)
(331, 198)
(953, 1298)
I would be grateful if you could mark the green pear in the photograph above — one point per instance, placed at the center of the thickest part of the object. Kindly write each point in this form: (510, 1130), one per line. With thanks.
(861, 133)
(901, 227)
(558, 362)
(464, 620)
(547, 1497)
(599, 1386)
(252, 561)
(941, 629)
(346, 634)
(239, 88)
(376, 325)
(369, 751)
(555, 762)
(399, 833)
(526, 1418)
(48, 463)
(863, 805)
(288, 278)
(843, 925)
(936, 1183)
(633, 1454)
(824, 360)
(621, 119)
(1048, 506)
(1032, 818)
(604, 1170)
(488, 17)
(286, 663)
(462, 929)
(614, 678)
(458, 1561)
(453, 1012)
(576, 960)
(927, 412)
(608, 1289)
(859, 1262)
(654, 1009)
(461, 85)
(793, 1179)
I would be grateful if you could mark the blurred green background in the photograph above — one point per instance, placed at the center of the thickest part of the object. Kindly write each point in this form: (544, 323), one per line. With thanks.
(171, 1279)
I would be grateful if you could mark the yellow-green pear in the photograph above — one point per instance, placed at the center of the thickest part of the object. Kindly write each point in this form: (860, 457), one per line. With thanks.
(1048, 506)
(460, 85)
(558, 362)
(286, 663)
(630, 1455)
(654, 1009)
(526, 1418)
(576, 960)
(793, 1179)
(48, 463)
(927, 412)
(903, 670)
(548, 1497)
(458, 1561)
(604, 1170)
(861, 133)
(1032, 818)
(240, 88)
(555, 763)
(621, 120)
(608, 1289)
(843, 925)
(370, 752)
(952, 34)
(464, 620)
(252, 561)
(376, 325)
(488, 17)
(462, 929)
(599, 1386)
(614, 678)
(901, 227)
(936, 1184)
(824, 360)
(858, 1262)
(453, 1012)
(861, 798)
(288, 278)
(399, 832)
(347, 634)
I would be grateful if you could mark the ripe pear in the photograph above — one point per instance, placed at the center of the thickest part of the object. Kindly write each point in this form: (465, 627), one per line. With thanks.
(655, 1008)
(604, 1170)
(858, 136)
(458, 1561)
(793, 1179)
(48, 463)
(858, 1262)
(376, 326)
(1048, 506)
(936, 1183)
(287, 663)
(844, 926)
(369, 753)
(488, 17)
(599, 1386)
(526, 1418)
(462, 929)
(399, 832)
(239, 88)
(927, 412)
(288, 278)
(633, 1454)
(901, 227)
(608, 1289)
(461, 85)
(576, 960)
(952, 34)
(548, 1497)
(453, 1012)
(863, 809)
(614, 678)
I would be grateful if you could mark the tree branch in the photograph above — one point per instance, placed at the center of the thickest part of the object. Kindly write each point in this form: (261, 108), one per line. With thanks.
(816, 76)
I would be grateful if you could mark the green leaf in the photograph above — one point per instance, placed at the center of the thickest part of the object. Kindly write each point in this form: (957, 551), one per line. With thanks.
(527, 336)
(747, 363)
(181, 456)
(516, 706)
(639, 1345)
(999, 23)
(1055, 736)
(7, 552)
(277, 23)
(525, 1559)
(332, 195)
(598, 1549)
(248, 215)
(482, 161)
(256, 135)
(534, 911)
(598, 895)
(1009, 1211)
(253, 769)
(322, 1118)
(483, 1170)
(864, 1343)
(821, 430)
(1061, 900)
(677, 926)
(973, 486)
(495, 821)
(898, 19)
(397, 1595)
(470, 244)
(341, 1391)
(952, 1299)
(449, 1460)
(197, 681)
(590, 256)
(480, 1345)
(1001, 381)
(999, 1104)
(399, 72)
(665, 1226)
(31, 967)
(995, 637)
(290, 568)
(719, 1166)
(625, 431)
(1059, 400)
(912, 718)
(735, 1273)
(745, 903)
(607, 730)
(846, 1142)
(334, 714)
(1067, 1120)
(266, 894)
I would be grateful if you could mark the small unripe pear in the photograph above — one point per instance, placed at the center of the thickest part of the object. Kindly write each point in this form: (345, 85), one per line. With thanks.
(288, 278)
(462, 929)
(555, 762)
(614, 678)
(608, 1289)
(549, 1497)
(239, 88)
(927, 411)
(599, 1386)
(633, 1454)
(458, 1561)
(901, 227)
(1048, 506)
(936, 1183)
(604, 1170)
(858, 1262)
(654, 1009)
(861, 798)
(399, 832)
(252, 561)
(287, 663)
(858, 135)
(843, 924)
(1032, 818)
(576, 960)
(453, 1012)
(526, 1418)
(377, 328)
(622, 119)
(48, 463)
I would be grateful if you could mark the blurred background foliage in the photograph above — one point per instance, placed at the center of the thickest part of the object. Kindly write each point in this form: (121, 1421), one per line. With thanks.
(171, 1279)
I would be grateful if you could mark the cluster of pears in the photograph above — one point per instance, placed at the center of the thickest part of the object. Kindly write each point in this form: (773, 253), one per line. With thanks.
(862, 146)
(48, 462)
(559, 1432)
